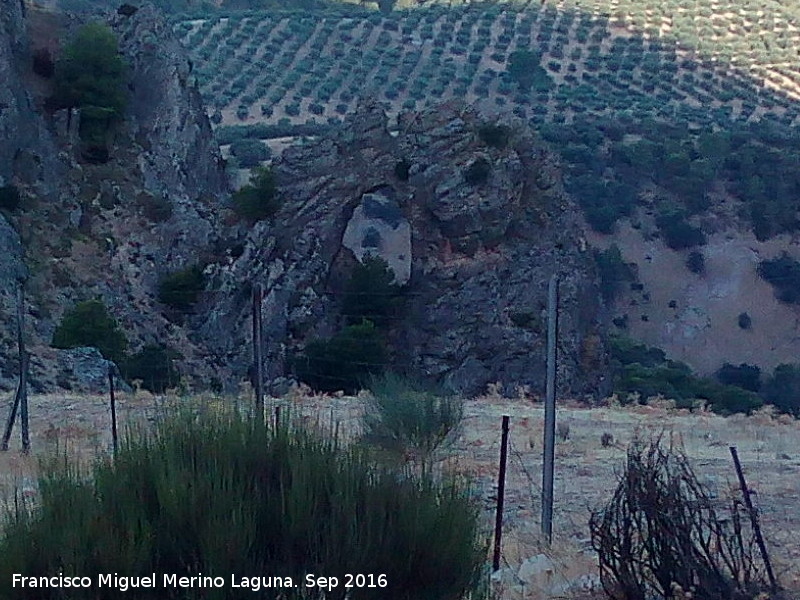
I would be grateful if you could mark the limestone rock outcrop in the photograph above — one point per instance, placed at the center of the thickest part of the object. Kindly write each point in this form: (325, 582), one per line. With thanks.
(481, 254)
(109, 231)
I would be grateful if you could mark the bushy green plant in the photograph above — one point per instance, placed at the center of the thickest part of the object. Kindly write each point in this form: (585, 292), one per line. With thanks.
(782, 389)
(156, 209)
(478, 172)
(250, 153)
(626, 351)
(745, 376)
(401, 169)
(646, 371)
(614, 272)
(9, 197)
(371, 293)
(524, 67)
(181, 289)
(407, 417)
(258, 200)
(153, 365)
(696, 262)
(783, 273)
(89, 324)
(678, 234)
(496, 136)
(90, 75)
(343, 362)
(218, 494)
(744, 320)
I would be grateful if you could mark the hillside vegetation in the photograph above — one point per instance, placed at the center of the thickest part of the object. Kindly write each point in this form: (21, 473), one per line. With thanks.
(635, 99)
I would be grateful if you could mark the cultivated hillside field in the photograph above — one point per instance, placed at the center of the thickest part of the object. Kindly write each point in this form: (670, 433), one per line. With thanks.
(585, 469)
(705, 61)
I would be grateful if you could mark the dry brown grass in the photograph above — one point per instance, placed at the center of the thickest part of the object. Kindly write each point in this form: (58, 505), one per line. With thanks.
(768, 444)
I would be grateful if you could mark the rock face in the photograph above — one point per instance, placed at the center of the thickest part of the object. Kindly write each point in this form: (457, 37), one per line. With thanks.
(379, 228)
(109, 231)
(481, 254)
(179, 157)
(84, 370)
(473, 232)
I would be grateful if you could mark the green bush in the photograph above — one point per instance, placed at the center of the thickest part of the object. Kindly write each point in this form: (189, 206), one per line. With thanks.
(677, 233)
(89, 324)
(783, 389)
(91, 76)
(646, 371)
(524, 67)
(250, 153)
(783, 273)
(155, 209)
(43, 64)
(728, 399)
(625, 351)
(496, 136)
(407, 417)
(219, 494)
(744, 320)
(478, 172)
(181, 289)
(696, 262)
(91, 73)
(401, 169)
(9, 197)
(153, 366)
(371, 293)
(258, 200)
(744, 376)
(613, 272)
(345, 361)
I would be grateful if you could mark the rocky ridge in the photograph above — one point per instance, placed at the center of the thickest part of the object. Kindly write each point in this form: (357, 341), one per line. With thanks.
(109, 230)
(481, 254)
(475, 252)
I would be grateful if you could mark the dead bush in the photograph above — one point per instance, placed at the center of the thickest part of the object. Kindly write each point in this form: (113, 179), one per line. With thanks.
(662, 531)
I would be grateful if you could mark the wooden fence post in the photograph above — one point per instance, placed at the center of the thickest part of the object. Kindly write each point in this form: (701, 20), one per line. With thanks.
(550, 412)
(113, 407)
(753, 517)
(21, 397)
(257, 362)
(501, 492)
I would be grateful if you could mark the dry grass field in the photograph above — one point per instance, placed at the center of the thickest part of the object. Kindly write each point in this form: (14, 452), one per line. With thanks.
(585, 476)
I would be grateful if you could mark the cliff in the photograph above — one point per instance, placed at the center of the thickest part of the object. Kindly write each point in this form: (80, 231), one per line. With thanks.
(112, 230)
(475, 257)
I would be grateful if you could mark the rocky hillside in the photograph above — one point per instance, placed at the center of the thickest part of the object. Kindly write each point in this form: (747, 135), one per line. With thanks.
(476, 253)
(472, 228)
(107, 231)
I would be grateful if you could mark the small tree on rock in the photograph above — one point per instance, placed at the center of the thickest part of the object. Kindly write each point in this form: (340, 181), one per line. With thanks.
(90, 76)
(257, 200)
(89, 324)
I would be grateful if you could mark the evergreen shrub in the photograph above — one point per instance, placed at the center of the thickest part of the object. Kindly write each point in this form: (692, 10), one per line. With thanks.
(219, 494)
(181, 289)
(153, 365)
(344, 361)
(9, 197)
(250, 153)
(257, 200)
(89, 324)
